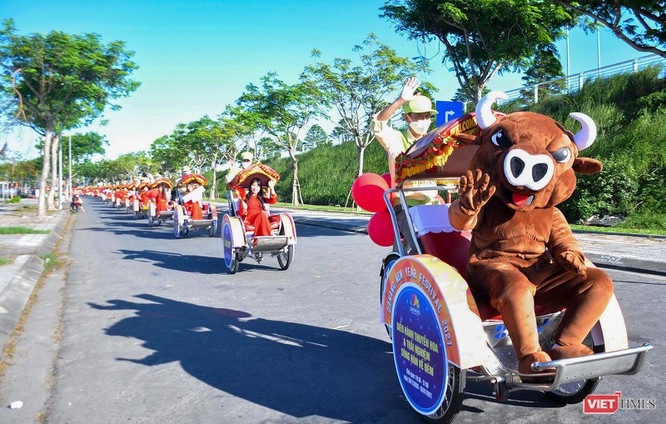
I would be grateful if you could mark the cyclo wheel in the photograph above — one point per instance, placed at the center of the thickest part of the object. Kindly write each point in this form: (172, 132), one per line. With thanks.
(574, 392)
(577, 391)
(453, 398)
(212, 229)
(233, 268)
(285, 258)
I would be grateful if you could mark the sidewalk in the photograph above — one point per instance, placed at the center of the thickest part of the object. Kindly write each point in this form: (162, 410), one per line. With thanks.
(25, 252)
(624, 252)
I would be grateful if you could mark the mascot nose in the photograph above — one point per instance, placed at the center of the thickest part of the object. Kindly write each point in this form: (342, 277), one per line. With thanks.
(524, 169)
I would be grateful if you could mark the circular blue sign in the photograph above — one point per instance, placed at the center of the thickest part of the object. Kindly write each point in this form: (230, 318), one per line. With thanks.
(227, 243)
(418, 350)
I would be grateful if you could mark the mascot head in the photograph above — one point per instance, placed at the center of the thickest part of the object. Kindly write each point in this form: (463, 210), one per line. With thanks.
(531, 158)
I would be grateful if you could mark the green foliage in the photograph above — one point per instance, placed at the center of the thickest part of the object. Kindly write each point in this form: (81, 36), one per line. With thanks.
(15, 199)
(327, 173)
(629, 112)
(610, 192)
(638, 23)
(20, 230)
(631, 118)
(485, 38)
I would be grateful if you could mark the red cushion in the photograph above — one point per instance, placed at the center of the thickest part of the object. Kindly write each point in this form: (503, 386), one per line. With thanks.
(452, 248)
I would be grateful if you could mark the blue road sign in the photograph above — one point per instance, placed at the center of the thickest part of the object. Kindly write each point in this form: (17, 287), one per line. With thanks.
(448, 111)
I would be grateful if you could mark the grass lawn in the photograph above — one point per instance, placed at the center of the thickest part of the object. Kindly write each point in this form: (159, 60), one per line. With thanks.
(21, 230)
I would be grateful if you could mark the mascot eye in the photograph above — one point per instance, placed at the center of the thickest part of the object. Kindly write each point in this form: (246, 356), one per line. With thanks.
(500, 140)
(561, 155)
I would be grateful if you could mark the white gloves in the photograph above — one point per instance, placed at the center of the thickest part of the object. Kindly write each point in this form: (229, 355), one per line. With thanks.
(409, 89)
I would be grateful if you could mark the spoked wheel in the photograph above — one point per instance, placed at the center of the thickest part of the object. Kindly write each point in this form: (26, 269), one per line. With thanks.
(233, 268)
(577, 391)
(285, 258)
(212, 229)
(453, 398)
(574, 392)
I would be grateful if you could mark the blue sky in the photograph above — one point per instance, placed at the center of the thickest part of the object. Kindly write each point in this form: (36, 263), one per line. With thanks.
(197, 56)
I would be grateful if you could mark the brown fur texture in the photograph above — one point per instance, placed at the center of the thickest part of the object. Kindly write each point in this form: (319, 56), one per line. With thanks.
(522, 250)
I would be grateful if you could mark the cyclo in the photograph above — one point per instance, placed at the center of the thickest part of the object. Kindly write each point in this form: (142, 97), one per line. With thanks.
(189, 214)
(159, 206)
(442, 336)
(238, 239)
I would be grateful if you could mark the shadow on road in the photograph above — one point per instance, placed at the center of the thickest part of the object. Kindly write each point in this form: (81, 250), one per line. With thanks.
(297, 369)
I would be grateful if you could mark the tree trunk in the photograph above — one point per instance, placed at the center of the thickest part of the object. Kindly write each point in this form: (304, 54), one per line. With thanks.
(41, 199)
(295, 184)
(213, 184)
(55, 183)
(361, 158)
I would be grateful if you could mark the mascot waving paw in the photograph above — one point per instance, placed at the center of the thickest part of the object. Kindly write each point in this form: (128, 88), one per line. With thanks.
(522, 251)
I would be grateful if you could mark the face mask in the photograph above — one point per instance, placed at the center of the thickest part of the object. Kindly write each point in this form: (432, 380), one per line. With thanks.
(420, 127)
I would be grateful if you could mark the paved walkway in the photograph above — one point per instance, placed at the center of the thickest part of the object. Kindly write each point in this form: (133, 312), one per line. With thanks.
(26, 252)
(627, 252)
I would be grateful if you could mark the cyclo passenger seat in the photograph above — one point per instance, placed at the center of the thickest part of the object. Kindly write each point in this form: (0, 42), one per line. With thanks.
(438, 237)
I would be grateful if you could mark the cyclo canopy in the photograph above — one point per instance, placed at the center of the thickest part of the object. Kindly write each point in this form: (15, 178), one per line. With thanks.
(438, 155)
(258, 170)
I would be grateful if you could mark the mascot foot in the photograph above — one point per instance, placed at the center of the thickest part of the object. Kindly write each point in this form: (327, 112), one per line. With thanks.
(571, 351)
(525, 367)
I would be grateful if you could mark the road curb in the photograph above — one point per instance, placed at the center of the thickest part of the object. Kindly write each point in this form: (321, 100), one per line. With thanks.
(15, 296)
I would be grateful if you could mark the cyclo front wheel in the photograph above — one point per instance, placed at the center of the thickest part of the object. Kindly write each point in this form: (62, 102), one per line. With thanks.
(453, 398)
(285, 258)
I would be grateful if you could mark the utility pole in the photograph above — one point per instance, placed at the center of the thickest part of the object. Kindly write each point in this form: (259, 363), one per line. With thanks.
(69, 185)
(60, 185)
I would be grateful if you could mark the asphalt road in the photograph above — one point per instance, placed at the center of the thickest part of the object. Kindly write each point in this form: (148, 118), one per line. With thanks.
(144, 328)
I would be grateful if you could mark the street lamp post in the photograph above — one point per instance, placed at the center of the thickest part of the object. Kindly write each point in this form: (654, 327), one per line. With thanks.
(69, 185)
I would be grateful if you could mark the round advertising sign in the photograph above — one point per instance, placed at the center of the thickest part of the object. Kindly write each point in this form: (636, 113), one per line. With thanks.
(227, 243)
(418, 349)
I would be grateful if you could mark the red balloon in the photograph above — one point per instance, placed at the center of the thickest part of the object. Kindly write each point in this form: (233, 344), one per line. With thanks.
(368, 192)
(380, 228)
(387, 178)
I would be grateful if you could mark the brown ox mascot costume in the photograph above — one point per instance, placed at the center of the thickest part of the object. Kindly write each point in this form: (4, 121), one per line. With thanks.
(522, 250)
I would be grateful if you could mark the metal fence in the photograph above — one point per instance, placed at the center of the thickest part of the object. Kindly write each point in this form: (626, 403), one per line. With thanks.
(573, 83)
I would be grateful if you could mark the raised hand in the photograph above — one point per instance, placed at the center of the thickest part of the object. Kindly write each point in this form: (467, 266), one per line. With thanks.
(409, 89)
(475, 190)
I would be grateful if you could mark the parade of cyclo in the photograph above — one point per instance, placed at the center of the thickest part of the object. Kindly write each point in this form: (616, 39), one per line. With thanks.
(248, 229)
(483, 280)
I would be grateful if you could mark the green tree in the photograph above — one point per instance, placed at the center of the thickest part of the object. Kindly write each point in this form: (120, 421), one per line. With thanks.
(283, 111)
(166, 156)
(84, 146)
(210, 140)
(358, 91)
(639, 23)
(59, 81)
(315, 137)
(483, 38)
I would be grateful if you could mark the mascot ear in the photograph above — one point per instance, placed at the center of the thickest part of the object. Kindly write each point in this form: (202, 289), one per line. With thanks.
(587, 166)
(467, 139)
